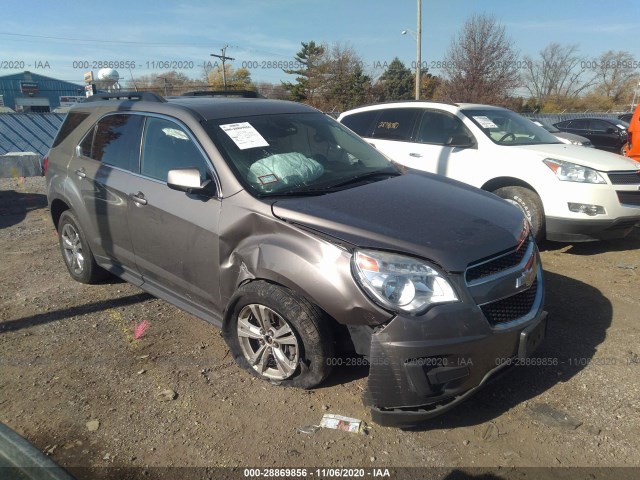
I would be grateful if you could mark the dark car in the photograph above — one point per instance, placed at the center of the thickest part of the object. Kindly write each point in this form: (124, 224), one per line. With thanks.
(296, 237)
(626, 117)
(605, 133)
(564, 137)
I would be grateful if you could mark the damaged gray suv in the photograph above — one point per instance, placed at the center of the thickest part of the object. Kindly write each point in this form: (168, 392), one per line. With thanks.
(302, 242)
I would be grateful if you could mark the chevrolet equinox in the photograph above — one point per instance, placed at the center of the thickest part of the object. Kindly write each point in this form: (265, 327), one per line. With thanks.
(274, 222)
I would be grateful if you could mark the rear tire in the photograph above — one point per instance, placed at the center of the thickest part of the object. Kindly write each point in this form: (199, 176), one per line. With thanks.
(76, 252)
(530, 204)
(278, 336)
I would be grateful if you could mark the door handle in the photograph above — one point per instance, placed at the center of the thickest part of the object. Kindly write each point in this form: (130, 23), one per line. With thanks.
(416, 155)
(81, 173)
(138, 198)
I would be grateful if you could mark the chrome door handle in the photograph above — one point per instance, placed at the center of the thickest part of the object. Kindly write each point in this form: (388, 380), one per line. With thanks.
(81, 173)
(138, 198)
(416, 155)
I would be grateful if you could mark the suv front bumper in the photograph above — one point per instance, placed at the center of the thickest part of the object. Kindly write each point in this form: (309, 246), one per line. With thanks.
(411, 381)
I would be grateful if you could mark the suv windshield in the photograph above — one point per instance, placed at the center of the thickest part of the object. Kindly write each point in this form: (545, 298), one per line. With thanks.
(505, 127)
(547, 126)
(288, 154)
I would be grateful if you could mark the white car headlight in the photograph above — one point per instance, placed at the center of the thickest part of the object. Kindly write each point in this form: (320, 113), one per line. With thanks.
(400, 283)
(570, 172)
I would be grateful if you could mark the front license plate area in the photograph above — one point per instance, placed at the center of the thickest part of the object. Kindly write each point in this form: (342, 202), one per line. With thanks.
(531, 338)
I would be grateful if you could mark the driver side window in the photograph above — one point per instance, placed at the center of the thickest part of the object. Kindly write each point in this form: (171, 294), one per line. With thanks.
(439, 128)
(167, 146)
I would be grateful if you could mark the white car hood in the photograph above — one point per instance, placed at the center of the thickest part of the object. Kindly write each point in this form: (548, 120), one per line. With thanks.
(587, 157)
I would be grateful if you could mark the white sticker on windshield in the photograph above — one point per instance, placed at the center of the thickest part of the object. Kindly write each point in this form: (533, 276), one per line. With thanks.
(485, 122)
(621, 126)
(244, 135)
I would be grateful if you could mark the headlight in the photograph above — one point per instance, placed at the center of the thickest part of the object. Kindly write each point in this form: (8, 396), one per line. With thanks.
(400, 283)
(570, 172)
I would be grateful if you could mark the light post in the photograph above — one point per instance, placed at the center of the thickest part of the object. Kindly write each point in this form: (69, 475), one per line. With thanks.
(418, 36)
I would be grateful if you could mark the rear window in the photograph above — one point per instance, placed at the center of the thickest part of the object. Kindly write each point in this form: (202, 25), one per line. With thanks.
(117, 141)
(396, 123)
(361, 123)
(71, 122)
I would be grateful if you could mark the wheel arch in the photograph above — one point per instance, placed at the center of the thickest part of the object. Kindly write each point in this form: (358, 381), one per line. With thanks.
(500, 182)
(57, 208)
(341, 333)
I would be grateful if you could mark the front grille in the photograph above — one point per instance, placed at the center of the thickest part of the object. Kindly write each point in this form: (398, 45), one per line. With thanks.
(510, 308)
(498, 264)
(629, 198)
(626, 178)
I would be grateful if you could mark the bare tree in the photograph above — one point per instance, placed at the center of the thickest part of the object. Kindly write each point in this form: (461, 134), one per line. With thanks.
(615, 75)
(559, 74)
(481, 64)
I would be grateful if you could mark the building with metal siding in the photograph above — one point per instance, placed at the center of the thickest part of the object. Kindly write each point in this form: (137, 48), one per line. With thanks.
(30, 92)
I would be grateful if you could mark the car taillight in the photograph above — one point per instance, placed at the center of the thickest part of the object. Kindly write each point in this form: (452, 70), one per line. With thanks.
(629, 135)
(45, 164)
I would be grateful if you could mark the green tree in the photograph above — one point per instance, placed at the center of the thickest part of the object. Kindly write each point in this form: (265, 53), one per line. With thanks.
(397, 82)
(309, 75)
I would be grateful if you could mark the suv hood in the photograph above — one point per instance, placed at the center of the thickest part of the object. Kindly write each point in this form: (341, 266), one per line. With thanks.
(587, 157)
(420, 214)
(566, 137)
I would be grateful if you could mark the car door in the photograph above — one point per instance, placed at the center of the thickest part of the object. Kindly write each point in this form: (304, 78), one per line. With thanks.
(578, 126)
(603, 137)
(175, 237)
(100, 171)
(429, 145)
(392, 133)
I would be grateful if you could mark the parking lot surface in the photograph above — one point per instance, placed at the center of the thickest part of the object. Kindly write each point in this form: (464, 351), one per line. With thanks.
(77, 383)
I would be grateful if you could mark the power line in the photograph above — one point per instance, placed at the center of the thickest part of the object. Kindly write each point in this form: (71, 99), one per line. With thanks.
(223, 57)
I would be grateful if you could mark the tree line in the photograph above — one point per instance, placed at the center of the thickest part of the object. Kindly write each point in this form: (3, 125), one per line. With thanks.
(481, 65)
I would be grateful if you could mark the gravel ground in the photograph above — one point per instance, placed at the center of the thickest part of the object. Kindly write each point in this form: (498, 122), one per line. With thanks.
(77, 384)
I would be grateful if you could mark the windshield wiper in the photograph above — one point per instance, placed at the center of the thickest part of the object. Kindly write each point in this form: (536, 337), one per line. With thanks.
(363, 177)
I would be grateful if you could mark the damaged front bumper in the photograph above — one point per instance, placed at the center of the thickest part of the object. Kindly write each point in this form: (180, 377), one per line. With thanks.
(421, 367)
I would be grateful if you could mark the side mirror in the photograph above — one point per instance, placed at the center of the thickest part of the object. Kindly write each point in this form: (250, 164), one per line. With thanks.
(186, 180)
(611, 130)
(460, 141)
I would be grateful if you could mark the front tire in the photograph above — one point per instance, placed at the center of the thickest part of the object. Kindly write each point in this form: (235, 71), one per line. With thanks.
(279, 336)
(530, 204)
(76, 252)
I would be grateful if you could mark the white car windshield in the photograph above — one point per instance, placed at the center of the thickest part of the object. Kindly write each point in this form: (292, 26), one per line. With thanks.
(505, 127)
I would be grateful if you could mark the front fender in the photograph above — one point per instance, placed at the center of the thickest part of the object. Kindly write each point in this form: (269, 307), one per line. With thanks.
(259, 246)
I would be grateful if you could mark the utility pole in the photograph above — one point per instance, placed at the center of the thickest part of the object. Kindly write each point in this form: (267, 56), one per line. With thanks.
(418, 47)
(223, 58)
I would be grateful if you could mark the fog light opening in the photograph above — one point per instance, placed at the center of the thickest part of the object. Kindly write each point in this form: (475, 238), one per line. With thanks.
(591, 210)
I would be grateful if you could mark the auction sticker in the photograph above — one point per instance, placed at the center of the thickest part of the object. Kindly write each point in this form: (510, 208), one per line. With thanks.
(485, 122)
(244, 135)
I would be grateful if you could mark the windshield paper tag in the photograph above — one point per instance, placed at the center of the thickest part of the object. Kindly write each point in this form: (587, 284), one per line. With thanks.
(485, 122)
(244, 135)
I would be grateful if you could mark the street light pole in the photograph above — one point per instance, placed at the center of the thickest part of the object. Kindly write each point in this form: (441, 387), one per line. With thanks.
(418, 47)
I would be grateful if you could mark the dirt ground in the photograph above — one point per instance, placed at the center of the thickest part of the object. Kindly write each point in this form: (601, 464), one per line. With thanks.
(68, 358)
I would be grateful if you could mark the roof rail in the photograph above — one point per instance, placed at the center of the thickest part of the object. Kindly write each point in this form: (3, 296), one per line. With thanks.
(222, 93)
(146, 96)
